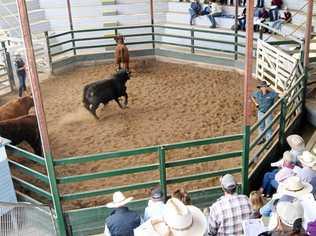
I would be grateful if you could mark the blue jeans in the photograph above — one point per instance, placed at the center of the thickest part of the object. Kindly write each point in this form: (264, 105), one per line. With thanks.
(242, 23)
(277, 24)
(260, 3)
(212, 18)
(22, 85)
(269, 184)
(265, 123)
(193, 14)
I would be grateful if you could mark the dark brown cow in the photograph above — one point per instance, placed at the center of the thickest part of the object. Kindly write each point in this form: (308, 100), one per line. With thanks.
(21, 129)
(121, 53)
(15, 108)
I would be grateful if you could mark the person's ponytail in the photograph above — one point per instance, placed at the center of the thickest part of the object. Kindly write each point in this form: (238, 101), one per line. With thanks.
(297, 227)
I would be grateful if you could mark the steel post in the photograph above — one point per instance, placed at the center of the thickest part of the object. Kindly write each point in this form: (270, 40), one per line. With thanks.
(9, 67)
(247, 98)
(308, 30)
(152, 22)
(162, 171)
(71, 26)
(40, 114)
(236, 31)
(282, 138)
(192, 41)
(49, 52)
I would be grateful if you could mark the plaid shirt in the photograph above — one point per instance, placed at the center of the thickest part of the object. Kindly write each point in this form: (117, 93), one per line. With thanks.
(227, 214)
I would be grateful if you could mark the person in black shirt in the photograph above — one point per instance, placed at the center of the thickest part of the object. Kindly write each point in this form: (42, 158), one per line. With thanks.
(20, 70)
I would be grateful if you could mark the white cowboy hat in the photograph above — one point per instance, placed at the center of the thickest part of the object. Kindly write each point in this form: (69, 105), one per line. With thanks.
(296, 142)
(178, 220)
(293, 186)
(307, 159)
(288, 212)
(119, 200)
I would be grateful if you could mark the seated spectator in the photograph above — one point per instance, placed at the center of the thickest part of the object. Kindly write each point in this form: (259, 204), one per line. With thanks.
(262, 17)
(274, 14)
(307, 173)
(260, 4)
(269, 207)
(229, 211)
(215, 11)
(195, 10)
(282, 20)
(277, 3)
(242, 20)
(272, 179)
(178, 220)
(297, 146)
(122, 221)
(182, 195)
(287, 220)
(155, 206)
(256, 202)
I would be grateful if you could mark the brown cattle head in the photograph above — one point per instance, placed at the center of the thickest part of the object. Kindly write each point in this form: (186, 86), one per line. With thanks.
(119, 39)
(27, 101)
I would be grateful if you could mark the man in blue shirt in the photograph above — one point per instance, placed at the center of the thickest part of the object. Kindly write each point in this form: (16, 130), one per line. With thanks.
(264, 99)
(195, 10)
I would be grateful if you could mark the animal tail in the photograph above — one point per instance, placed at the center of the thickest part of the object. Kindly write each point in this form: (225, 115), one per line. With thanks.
(122, 52)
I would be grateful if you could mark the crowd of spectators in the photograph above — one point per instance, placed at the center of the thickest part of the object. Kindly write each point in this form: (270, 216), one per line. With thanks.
(213, 10)
(284, 205)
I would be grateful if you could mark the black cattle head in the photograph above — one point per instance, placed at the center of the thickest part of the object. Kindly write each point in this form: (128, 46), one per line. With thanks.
(123, 74)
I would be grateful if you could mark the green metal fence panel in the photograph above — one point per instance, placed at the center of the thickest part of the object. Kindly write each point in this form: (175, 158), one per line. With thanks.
(16, 151)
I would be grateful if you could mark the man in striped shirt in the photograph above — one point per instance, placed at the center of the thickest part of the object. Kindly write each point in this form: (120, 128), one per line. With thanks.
(229, 211)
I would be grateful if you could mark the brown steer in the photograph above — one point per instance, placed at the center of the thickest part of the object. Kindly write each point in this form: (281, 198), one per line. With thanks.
(21, 129)
(15, 108)
(121, 53)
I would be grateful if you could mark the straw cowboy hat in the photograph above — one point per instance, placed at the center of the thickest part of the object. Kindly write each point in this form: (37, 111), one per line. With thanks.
(178, 220)
(293, 186)
(287, 212)
(307, 159)
(119, 200)
(296, 142)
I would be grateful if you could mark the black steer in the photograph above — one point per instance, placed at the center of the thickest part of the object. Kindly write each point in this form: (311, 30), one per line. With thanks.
(103, 91)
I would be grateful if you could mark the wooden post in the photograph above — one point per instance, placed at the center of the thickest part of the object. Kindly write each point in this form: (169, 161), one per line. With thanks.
(247, 92)
(40, 114)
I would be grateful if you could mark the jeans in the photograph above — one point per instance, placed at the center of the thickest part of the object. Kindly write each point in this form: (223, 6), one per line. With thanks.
(269, 184)
(212, 18)
(242, 3)
(242, 23)
(193, 15)
(264, 123)
(260, 3)
(22, 85)
(277, 24)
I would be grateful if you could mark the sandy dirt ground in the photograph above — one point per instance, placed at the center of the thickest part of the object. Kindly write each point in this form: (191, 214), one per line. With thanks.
(168, 103)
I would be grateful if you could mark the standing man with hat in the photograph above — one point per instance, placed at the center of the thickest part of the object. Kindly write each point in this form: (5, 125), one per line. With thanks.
(21, 72)
(229, 211)
(264, 99)
(121, 221)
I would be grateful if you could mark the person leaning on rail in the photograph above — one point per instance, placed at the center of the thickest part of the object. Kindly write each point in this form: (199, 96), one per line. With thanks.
(264, 99)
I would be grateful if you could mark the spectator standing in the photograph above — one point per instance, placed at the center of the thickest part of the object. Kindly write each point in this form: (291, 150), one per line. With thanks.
(264, 99)
(229, 211)
(178, 220)
(122, 221)
(242, 3)
(21, 73)
(242, 20)
(256, 202)
(215, 11)
(225, 2)
(156, 205)
(195, 10)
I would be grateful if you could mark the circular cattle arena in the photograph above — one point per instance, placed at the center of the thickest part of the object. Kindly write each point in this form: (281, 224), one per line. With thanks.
(168, 103)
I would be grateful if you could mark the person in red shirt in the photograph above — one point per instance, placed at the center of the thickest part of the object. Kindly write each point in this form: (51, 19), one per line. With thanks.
(277, 3)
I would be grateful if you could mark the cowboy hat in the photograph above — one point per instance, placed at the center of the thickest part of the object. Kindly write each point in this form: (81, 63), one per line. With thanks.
(178, 220)
(293, 186)
(296, 142)
(287, 156)
(288, 212)
(119, 200)
(263, 84)
(307, 159)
